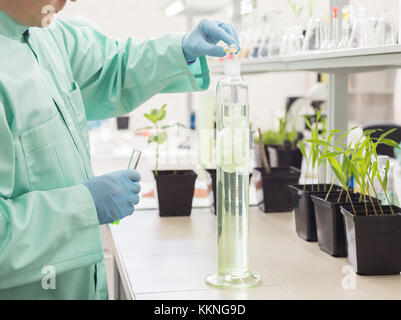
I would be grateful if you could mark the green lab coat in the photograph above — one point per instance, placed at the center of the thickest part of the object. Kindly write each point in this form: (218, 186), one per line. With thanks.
(51, 82)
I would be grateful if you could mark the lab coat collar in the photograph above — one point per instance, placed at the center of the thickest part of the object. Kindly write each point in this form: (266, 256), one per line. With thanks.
(11, 28)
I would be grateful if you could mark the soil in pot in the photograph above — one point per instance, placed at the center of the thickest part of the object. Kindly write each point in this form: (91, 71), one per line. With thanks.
(276, 196)
(175, 191)
(330, 222)
(213, 175)
(304, 211)
(373, 242)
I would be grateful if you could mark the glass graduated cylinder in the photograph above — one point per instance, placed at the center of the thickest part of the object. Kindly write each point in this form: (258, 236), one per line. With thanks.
(232, 148)
(233, 191)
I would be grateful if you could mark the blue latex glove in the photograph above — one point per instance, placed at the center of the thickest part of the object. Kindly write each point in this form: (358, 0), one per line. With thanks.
(203, 39)
(115, 194)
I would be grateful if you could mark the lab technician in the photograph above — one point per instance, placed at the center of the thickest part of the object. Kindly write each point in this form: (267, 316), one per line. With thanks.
(53, 78)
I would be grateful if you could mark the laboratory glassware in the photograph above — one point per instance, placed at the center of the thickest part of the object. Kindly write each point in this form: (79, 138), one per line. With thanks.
(326, 34)
(274, 42)
(315, 33)
(348, 13)
(385, 33)
(275, 34)
(230, 49)
(285, 42)
(245, 42)
(361, 36)
(295, 41)
(335, 30)
(257, 34)
(265, 37)
(233, 169)
(133, 164)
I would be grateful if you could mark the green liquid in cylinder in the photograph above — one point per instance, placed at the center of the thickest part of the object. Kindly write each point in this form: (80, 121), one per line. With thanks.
(233, 199)
(233, 192)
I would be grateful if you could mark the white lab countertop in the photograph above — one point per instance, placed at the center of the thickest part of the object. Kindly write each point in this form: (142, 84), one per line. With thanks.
(168, 258)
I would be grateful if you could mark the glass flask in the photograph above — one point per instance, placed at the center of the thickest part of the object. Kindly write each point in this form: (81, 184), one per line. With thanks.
(285, 42)
(326, 33)
(348, 13)
(361, 36)
(295, 42)
(315, 33)
(275, 35)
(385, 34)
(233, 166)
(258, 34)
(265, 37)
(335, 30)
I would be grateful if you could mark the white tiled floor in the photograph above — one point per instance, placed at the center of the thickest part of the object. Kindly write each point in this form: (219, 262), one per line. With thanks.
(168, 258)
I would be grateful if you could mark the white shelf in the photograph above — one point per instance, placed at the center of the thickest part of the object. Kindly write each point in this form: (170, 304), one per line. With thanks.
(349, 60)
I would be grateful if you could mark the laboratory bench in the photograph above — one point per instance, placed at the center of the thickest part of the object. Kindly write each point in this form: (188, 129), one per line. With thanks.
(168, 259)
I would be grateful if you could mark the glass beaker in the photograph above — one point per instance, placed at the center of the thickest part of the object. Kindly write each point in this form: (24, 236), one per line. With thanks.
(275, 40)
(232, 182)
(348, 13)
(361, 36)
(385, 34)
(295, 41)
(315, 33)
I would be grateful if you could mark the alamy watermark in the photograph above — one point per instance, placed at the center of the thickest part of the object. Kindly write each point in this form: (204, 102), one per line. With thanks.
(49, 11)
(349, 280)
(49, 278)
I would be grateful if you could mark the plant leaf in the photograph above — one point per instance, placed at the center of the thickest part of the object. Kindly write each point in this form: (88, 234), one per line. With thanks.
(307, 122)
(144, 128)
(150, 117)
(152, 138)
(390, 143)
(335, 166)
(301, 146)
(161, 137)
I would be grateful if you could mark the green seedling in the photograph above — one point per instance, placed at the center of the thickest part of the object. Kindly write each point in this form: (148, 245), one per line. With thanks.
(295, 8)
(311, 5)
(357, 163)
(313, 157)
(272, 138)
(280, 137)
(160, 135)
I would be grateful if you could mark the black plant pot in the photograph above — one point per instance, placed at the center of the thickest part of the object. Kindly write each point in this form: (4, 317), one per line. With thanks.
(175, 192)
(304, 211)
(286, 156)
(213, 175)
(330, 223)
(122, 123)
(276, 196)
(373, 242)
(290, 157)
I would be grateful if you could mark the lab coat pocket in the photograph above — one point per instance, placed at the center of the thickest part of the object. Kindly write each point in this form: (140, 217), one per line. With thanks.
(75, 99)
(41, 156)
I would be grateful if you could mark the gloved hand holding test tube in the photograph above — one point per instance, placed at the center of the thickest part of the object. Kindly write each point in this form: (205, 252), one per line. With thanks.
(133, 164)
